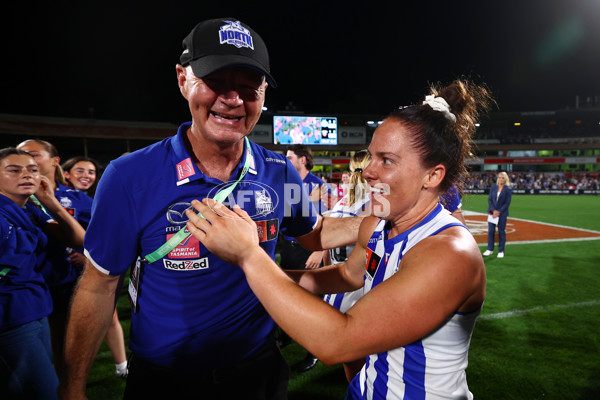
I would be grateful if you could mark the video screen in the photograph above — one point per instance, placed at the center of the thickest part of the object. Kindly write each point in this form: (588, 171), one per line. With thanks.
(304, 130)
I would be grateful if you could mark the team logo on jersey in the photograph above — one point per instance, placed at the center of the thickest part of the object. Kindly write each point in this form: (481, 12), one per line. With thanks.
(188, 248)
(234, 33)
(262, 202)
(256, 198)
(373, 261)
(267, 230)
(186, 265)
(65, 202)
(184, 169)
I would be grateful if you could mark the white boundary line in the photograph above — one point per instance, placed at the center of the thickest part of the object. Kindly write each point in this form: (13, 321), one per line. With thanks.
(558, 226)
(550, 308)
(467, 213)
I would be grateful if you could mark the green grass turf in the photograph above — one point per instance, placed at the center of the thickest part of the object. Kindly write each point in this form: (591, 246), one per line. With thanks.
(549, 350)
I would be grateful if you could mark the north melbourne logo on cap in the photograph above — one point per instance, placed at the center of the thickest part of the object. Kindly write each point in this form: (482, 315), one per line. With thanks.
(234, 33)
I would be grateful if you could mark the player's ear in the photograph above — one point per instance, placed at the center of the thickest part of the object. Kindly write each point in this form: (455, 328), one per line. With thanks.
(434, 176)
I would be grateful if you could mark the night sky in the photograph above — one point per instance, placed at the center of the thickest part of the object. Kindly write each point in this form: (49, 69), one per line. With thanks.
(93, 59)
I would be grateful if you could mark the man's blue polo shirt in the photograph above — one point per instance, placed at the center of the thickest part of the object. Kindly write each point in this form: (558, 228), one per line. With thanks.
(196, 311)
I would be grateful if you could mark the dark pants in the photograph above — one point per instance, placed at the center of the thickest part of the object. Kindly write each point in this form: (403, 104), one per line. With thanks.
(293, 255)
(263, 376)
(26, 370)
(501, 234)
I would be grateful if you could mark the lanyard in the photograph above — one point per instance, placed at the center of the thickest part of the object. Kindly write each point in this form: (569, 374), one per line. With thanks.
(39, 204)
(184, 233)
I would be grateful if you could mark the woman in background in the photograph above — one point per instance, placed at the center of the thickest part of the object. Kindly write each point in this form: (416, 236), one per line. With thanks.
(26, 369)
(82, 173)
(498, 201)
(64, 264)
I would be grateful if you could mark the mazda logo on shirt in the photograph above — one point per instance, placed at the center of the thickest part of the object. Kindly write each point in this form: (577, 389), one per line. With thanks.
(176, 213)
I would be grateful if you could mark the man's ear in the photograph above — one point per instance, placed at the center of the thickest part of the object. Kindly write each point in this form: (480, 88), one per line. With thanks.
(434, 177)
(182, 79)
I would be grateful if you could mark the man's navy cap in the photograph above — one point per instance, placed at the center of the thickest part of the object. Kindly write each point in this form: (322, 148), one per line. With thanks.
(225, 42)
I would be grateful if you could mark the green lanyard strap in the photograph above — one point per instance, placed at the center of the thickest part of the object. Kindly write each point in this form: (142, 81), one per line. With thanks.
(3, 272)
(39, 204)
(180, 236)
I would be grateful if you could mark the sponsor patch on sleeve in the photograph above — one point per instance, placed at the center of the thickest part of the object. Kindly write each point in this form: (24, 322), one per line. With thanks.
(372, 262)
(267, 230)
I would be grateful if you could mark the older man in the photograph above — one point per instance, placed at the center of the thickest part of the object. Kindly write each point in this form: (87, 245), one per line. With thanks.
(197, 330)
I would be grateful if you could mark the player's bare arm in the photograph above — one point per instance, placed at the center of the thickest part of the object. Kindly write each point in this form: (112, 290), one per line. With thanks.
(343, 277)
(436, 278)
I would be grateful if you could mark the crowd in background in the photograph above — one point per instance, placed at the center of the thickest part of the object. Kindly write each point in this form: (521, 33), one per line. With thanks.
(538, 180)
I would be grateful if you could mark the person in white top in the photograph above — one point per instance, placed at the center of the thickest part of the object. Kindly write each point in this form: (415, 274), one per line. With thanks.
(421, 271)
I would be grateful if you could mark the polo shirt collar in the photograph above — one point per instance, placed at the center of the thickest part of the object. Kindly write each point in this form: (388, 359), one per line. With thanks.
(185, 169)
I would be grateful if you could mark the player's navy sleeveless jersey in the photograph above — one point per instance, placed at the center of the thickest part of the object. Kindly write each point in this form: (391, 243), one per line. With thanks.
(195, 311)
(432, 367)
(24, 295)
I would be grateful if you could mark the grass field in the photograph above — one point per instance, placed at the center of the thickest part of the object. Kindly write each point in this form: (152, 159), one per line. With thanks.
(538, 335)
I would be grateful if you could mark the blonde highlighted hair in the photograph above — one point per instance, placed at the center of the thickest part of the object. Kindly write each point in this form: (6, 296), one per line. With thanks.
(506, 178)
(358, 184)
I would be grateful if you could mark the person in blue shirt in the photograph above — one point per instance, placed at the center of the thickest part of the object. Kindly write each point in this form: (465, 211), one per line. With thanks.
(26, 361)
(498, 201)
(452, 201)
(197, 330)
(63, 264)
(82, 173)
(294, 256)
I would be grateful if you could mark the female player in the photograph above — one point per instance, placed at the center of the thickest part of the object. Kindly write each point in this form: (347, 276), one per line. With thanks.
(421, 271)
